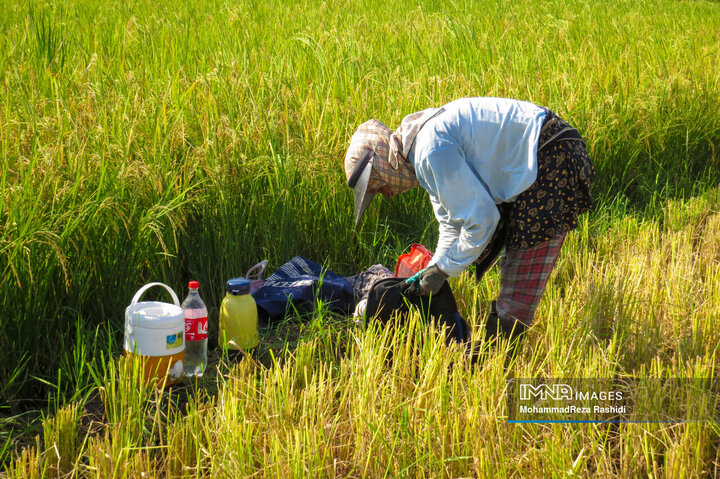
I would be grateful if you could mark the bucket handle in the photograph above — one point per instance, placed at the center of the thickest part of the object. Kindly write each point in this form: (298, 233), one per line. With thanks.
(257, 269)
(150, 285)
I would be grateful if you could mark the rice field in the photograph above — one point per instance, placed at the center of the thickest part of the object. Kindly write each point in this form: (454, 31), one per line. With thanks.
(155, 141)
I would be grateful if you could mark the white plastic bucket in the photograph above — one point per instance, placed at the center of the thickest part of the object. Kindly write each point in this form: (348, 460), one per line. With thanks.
(155, 330)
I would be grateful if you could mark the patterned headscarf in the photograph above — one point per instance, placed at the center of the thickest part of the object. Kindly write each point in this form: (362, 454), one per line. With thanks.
(390, 165)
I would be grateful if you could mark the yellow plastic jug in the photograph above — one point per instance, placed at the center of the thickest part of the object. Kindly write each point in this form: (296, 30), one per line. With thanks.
(238, 316)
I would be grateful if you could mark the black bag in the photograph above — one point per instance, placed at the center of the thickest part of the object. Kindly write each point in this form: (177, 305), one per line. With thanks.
(393, 295)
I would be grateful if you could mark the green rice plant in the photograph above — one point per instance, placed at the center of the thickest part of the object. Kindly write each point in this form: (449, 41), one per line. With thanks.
(63, 439)
(123, 388)
(29, 464)
(156, 141)
(188, 439)
(134, 421)
(409, 421)
(50, 37)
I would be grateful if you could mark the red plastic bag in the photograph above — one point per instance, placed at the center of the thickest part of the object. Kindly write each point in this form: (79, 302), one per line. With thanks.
(410, 263)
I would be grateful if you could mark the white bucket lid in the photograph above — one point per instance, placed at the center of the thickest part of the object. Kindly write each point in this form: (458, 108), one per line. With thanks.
(155, 314)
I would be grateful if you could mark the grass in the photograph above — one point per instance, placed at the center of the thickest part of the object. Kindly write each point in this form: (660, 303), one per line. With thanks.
(154, 141)
(335, 406)
(629, 297)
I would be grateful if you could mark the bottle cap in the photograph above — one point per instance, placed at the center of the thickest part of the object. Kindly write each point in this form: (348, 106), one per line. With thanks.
(237, 286)
(193, 285)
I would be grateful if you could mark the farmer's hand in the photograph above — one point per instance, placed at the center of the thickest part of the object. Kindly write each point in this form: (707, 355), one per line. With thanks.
(429, 280)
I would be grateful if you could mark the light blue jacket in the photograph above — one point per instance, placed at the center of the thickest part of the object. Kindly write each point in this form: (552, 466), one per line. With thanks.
(476, 153)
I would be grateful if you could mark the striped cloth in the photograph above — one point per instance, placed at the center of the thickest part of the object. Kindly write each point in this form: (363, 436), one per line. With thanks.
(523, 276)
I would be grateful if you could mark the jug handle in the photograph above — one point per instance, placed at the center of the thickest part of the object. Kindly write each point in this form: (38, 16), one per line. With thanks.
(150, 285)
(260, 267)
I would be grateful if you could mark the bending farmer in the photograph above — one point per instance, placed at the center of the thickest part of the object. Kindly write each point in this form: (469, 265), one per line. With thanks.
(501, 174)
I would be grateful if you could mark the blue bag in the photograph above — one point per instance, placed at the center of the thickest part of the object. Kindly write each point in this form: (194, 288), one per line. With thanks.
(300, 281)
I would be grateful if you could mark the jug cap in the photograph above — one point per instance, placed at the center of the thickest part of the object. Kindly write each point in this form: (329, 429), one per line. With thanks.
(237, 286)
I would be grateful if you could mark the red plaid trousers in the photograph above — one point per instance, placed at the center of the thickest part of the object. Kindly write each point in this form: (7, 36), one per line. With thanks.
(523, 276)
